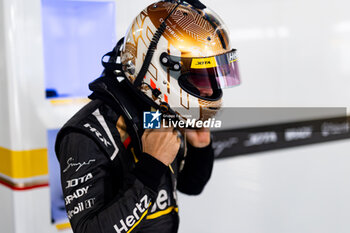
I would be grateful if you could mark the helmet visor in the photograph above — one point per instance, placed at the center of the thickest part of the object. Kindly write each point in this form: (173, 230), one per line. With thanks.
(208, 74)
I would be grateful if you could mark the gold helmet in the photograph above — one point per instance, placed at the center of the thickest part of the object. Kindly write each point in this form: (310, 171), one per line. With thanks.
(179, 54)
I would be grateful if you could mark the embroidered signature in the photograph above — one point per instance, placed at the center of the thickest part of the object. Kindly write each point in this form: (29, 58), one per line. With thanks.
(78, 165)
(220, 146)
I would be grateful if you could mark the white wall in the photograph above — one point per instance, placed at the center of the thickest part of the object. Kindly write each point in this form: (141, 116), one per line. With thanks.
(298, 190)
(22, 81)
(292, 53)
(4, 117)
(7, 210)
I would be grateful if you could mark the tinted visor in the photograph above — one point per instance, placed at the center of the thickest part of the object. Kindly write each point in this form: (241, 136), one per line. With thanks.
(204, 77)
(222, 69)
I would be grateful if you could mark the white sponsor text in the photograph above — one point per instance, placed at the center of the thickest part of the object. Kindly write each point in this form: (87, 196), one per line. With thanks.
(78, 165)
(78, 193)
(129, 221)
(74, 182)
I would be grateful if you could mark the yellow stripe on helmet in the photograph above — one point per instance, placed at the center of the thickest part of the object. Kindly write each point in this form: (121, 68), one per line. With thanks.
(202, 63)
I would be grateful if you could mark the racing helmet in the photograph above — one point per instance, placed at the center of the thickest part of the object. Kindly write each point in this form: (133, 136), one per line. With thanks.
(189, 56)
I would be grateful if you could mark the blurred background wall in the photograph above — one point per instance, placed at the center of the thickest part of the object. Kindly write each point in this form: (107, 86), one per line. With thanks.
(292, 54)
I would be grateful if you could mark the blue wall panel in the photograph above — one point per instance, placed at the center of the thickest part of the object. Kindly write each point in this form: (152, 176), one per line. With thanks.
(58, 210)
(76, 35)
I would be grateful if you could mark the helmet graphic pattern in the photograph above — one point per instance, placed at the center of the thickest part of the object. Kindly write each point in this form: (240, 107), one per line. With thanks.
(190, 33)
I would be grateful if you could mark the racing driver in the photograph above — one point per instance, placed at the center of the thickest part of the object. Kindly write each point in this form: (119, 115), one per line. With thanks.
(119, 171)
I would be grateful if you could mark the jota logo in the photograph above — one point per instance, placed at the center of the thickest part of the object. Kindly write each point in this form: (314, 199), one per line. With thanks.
(256, 139)
(151, 120)
(80, 180)
(203, 63)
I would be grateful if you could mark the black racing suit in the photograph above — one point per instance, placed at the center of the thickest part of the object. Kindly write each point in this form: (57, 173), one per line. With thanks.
(111, 187)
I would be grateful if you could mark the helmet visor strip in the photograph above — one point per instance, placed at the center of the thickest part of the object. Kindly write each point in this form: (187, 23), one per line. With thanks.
(211, 72)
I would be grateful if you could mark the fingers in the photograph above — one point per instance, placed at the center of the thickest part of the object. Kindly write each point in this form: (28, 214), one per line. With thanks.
(147, 131)
(163, 144)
